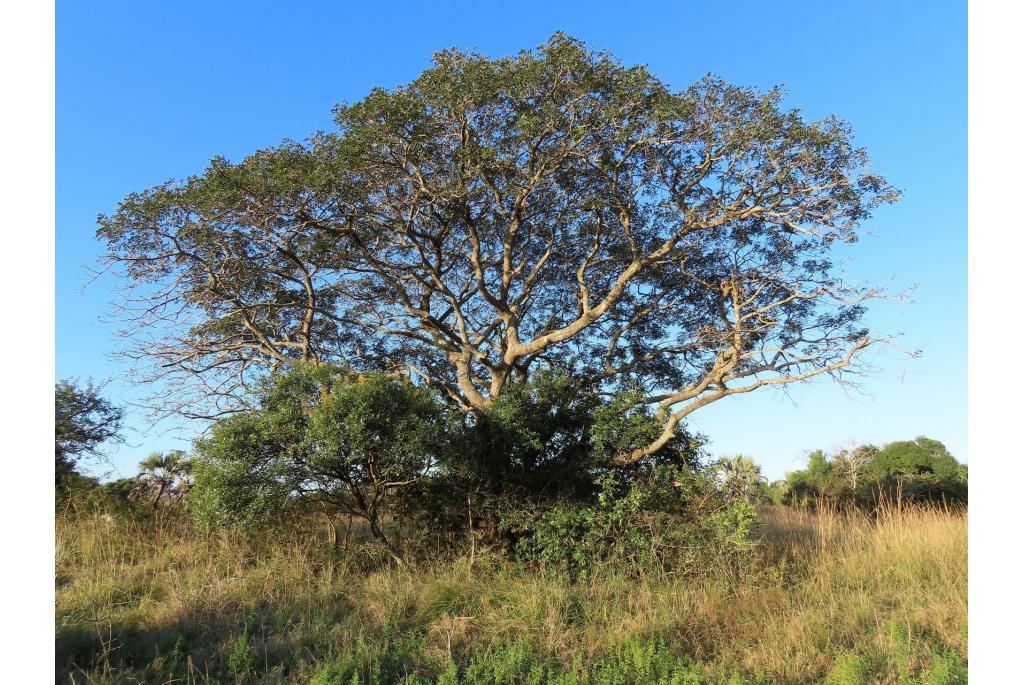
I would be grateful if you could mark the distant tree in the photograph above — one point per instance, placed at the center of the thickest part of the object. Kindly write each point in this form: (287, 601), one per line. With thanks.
(819, 481)
(740, 476)
(919, 469)
(163, 474)
(778, 491)
(84, 421)
(322, 435)
(497, 218)
(852, 463)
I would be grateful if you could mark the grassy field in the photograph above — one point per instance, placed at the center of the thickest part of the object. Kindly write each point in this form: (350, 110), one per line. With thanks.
(828, 598)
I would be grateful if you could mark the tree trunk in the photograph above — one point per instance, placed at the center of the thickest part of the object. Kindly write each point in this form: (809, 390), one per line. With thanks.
(472, 533)
(378, 534)
(335, 536)
(159, 494)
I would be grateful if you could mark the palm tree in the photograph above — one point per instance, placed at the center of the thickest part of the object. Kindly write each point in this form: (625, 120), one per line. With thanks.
(739, 475)
(164, 473)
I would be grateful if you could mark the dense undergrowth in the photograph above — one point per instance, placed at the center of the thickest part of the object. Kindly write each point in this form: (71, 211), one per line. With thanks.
(823, 597)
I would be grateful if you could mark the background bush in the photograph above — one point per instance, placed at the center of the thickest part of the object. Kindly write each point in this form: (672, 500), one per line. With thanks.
(918, 471)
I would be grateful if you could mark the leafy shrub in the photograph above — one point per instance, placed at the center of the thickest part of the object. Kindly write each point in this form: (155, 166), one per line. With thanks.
(242, 659)
(323, 436)
(674, 518)
(532, 444)
(546, 443)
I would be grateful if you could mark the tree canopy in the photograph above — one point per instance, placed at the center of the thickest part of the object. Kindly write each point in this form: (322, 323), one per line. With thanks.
(83, 420)
(500, 217)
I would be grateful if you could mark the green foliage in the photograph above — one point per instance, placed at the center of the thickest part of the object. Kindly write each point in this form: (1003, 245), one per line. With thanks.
(74, 489)
(634, 662)
(534, 440)
(543, 442)
(672, 519)
(741, 477)
(242, 660)
(650, 661)
(920, 659)
(625, 423)
(947, 668)
(550, 437)
(920, 470)
(384, 661)
(163, 476)
(83, 421)
(910, 656)
(321, 437)
(507, 663)
(80, 495)
(238, 492)
(777, 492)
(851, 669)
(820, 480)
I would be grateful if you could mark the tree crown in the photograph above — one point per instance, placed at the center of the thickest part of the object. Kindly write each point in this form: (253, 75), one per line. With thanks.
(496, 217)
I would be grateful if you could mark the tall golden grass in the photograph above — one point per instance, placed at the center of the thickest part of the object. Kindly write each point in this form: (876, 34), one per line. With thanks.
(883, 596)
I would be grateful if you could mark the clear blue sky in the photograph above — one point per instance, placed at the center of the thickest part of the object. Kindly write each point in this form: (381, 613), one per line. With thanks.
(151, 91)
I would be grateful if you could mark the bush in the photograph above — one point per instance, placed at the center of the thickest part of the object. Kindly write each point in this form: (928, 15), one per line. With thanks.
(671, 519)
(242, 659)
(84, 495)
(543, 444)
(323, 437)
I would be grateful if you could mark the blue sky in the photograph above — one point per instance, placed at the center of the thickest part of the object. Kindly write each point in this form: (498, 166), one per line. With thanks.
(152, 91)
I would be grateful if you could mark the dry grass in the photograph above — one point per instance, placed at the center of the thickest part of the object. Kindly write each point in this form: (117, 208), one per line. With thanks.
(886, 595)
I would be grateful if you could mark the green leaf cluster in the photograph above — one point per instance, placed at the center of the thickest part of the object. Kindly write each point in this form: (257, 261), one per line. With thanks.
(322, 436)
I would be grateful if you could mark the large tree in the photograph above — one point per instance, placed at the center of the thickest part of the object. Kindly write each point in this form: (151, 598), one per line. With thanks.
(498, 217)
